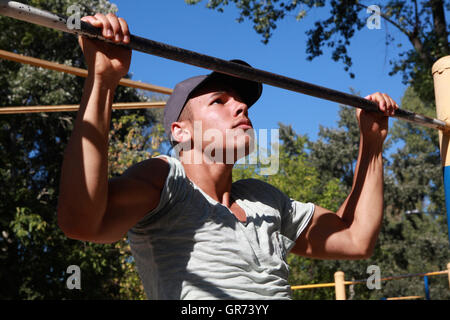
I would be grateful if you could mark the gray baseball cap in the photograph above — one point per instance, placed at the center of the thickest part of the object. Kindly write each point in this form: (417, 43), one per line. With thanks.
(250, 91)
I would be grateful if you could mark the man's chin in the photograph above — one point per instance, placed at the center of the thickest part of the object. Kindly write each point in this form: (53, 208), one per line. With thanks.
(231, 154)
(241, 150)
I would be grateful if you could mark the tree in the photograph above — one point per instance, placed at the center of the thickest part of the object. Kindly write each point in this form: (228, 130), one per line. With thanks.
(422, 23)
(416, 181)
(34, 253)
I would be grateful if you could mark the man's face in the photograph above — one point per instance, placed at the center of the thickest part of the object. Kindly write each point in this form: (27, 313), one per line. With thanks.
(219, 118)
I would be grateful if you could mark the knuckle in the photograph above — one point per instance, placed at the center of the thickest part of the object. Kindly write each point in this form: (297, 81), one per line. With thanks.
(115, 27)
(123, 23)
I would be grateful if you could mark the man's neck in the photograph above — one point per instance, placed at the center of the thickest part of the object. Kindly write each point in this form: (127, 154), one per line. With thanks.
(215, 179)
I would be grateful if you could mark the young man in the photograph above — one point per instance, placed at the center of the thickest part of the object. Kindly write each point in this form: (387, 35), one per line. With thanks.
(194, 234)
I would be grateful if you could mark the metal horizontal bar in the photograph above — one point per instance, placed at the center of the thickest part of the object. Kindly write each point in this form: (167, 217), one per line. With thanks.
(77, 71)
(33, 15)
(332, 284)
(406, 298)
(67, 108)
(313, 286)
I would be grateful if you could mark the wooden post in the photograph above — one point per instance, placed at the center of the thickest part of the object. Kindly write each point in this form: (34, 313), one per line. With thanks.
(441, 77)
(448, 269)
(339, 285)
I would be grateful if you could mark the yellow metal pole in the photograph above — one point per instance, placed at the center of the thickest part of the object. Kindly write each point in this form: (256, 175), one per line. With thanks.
(312, 286)
(75, 107)
(340, 279)
(77, 71)
(339, 285)
(406, 298)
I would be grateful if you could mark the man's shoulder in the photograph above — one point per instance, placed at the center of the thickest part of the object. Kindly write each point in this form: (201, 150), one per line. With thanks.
(254, 181)
(153, 171)
(251, 181)
(257, 186)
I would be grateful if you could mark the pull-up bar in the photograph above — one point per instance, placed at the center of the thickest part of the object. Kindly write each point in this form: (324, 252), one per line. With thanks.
(40, 17)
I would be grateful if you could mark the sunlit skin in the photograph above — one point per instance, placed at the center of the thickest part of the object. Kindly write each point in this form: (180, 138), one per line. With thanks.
(220, 108)
(223, 118)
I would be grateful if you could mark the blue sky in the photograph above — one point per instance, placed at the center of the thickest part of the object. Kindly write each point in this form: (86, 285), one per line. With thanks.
(218, 34)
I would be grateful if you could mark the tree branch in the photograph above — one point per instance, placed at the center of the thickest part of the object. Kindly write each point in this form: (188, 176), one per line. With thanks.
(416, 13)
(413, 35)
(440, 25)
(385, 17)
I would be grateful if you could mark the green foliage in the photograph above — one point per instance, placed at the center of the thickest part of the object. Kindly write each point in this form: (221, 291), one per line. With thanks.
(296, 169)
(416, 179)
(334, 153)
(422, 23)
(131, 141)
(412, 244)
(34, 253)
(26, 225)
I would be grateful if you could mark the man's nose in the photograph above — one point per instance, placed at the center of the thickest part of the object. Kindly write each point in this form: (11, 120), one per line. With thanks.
(240, 108)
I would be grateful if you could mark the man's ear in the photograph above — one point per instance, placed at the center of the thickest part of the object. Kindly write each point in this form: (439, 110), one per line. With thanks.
(179, 132)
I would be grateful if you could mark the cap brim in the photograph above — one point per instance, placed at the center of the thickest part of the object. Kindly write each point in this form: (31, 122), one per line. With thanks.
(249, 91)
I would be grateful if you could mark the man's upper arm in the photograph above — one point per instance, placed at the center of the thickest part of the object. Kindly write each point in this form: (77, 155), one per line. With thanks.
(327, 236)
(131, 196)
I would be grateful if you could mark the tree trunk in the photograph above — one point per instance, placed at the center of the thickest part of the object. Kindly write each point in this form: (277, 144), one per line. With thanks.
(418, 46)
(440, 26)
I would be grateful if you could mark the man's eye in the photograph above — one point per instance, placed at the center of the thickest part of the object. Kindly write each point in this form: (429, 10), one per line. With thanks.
(220, 101)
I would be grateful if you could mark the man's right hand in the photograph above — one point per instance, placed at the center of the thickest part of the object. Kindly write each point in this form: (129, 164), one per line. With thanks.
(91, 207)
(105, 61)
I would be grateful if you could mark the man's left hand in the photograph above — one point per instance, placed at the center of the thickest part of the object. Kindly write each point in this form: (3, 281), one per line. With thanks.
(373, 125)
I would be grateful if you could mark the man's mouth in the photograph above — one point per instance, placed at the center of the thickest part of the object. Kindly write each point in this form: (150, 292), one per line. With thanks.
(244, 124)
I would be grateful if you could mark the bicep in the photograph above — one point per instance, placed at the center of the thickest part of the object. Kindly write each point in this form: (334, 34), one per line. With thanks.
(326, 236)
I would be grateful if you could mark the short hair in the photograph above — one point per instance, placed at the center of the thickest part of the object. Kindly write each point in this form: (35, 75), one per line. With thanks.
(186, 113)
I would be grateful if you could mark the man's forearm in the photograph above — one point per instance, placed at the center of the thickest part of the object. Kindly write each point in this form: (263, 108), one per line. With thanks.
(363, 208)
(84, 177)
